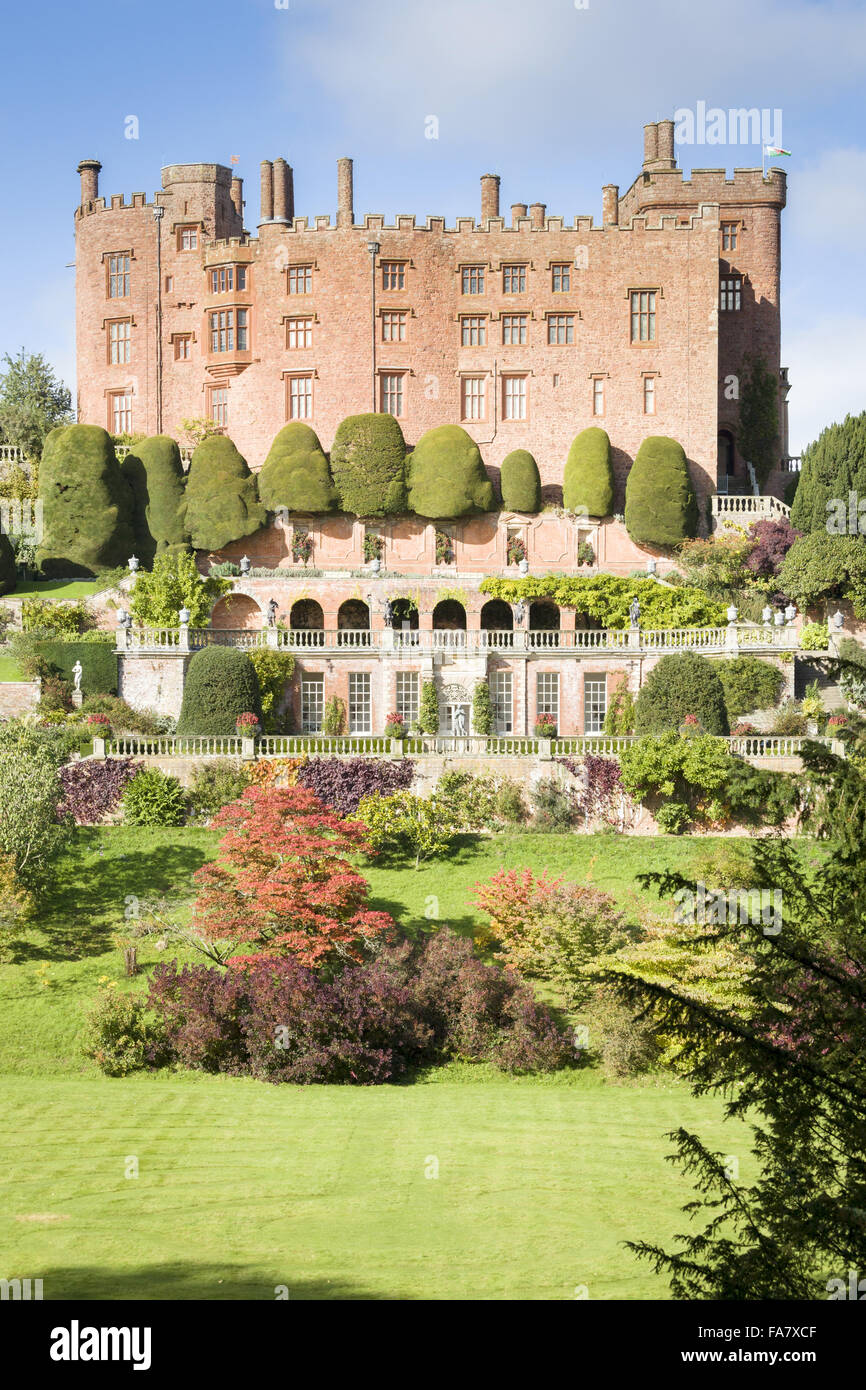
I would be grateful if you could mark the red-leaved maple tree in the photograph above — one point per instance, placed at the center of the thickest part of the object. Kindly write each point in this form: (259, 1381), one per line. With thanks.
(281, 885)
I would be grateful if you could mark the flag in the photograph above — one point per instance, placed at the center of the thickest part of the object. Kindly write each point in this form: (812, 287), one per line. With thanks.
(236, 159)
(773, 150)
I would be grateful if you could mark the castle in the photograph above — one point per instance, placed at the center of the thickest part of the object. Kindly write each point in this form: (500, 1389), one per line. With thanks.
(523, 329)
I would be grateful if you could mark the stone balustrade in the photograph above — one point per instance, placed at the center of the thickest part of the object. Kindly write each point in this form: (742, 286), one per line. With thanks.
(746, 507)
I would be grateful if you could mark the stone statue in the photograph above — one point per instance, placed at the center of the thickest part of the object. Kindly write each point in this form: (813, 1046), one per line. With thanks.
(389, 613)
(272, 612)
(77, 673)
(520, 612)
(634, 612)
(459, 722)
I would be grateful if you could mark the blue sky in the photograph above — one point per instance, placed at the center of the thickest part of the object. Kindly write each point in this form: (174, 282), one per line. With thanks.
(550, 94)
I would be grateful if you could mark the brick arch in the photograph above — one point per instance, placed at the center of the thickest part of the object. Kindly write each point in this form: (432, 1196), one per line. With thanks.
(236, 611)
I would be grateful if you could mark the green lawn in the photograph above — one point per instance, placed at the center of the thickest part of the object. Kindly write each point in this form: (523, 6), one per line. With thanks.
(9, 670)
(243, 1186)
(57, 588)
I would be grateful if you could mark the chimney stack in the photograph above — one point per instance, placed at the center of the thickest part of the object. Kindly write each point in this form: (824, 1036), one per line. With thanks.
(238, 196)
(489, 196)
(665, 149)
(267, 195)
(345, 194)
(537, 213)
(89, 170)
(610, 205)
(282, 177)
(650, 144)
(518, 210)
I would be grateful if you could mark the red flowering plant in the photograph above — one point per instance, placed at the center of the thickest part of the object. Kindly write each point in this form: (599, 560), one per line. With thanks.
(395, 725)
(97, 722)
(837, 721)
(545, 726)
(247, 724)
(281, 885)
(691, 726)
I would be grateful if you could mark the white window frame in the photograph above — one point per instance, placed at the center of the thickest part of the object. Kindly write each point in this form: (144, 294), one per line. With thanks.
(300, 279)
(407, 696)
(299, 396)
(598, 395)
(594, 703)
(119, 342)
(392, 393)
(547, 695)
(649, 395)
(514, 329)
(121, 412)
(312, 703)
(515, 398)
(299, 332)
(473, 393)
(502, 699)
(360, 702)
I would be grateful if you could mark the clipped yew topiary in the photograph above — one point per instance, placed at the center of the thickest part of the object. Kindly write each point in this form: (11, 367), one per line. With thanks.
(520, 482)
(221, 683)
(7, 565)
(368, 465)
(220, 503)
(679, 685)
(446, 475)
(154, 471)
(295, 474)
(87, 505)
(588, 483)
(660, 504)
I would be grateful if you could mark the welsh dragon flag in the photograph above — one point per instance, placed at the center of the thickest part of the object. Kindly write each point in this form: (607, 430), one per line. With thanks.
(773, 150)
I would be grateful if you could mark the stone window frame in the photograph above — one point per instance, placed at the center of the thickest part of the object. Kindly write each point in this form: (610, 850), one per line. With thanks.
(507, 378)
(188, 230)
(732, 228)
(508, 269)
(652, 314)
(480, 321)
(310, 267)
(108, 257)
(571, 317)
(466, 270)
(108, 325)
(111, 395)
(235, 328)
(564, 268)
(393, 268)
(598, 380)
(386, 373)
(289, 377)
(649, 382)
(176, 339)
(291, 321)
(233, 271)
(476, 378)
(731, 289)
(218, 410)
(526, 316)
(394, 312)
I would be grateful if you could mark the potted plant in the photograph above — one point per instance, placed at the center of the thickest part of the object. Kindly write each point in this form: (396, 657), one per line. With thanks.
(516, 550)
(395, 726)
(545, 726)
(302, 547)
(373, 549)
(444, 548)
(98, 725)
(247, 725)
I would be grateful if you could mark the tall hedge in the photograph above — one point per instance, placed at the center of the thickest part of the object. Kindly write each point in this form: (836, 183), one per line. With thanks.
(295, 473)
(660, 504)
(588, 481)
(832, 466)
(98, 663)
(368, 465)
(154, 471)
(87, 505)
(679, 685)
(446, 475)
(221, 683)
(8, 573)
(519, 482)
(220, 503)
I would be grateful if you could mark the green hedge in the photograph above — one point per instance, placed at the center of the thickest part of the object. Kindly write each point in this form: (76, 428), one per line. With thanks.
(368, 465)
(679, 685)
(221, 683)
(154, 471)
(446, 475)
(660, 504)
(221, 503)
(749, 683)
(87, 504)
(588, 482)
(98, 662)
(520, 482)
(8, 573)
(295, 474)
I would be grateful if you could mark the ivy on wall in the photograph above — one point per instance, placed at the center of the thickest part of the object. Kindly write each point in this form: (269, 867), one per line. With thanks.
(607, 599)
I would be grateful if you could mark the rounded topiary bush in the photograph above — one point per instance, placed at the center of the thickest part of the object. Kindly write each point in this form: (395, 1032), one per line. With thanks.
(446, 475)
(679, 685)
(7, 565)
(154, 798)
(87, 504)
(588, 483)
(368, 465)
(295, 474)
(154, 470)
(520, 482)
(749, 683)
(221, 503)
(221, 683)
(660, 504)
